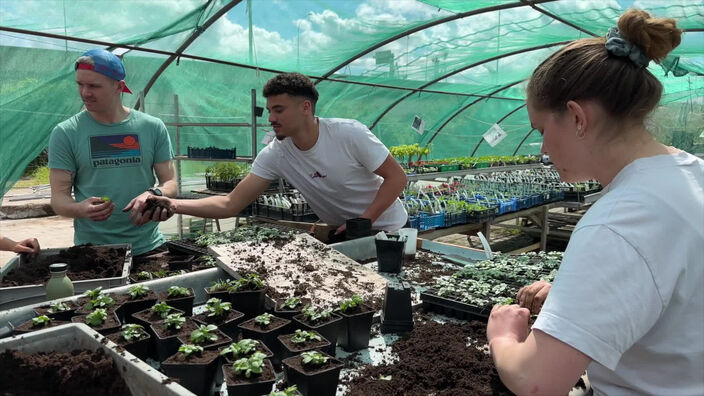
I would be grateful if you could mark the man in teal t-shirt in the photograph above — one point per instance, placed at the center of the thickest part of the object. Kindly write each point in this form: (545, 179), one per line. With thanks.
(109, 155)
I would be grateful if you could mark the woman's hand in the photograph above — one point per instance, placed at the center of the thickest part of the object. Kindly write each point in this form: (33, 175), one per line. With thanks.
(533, 296)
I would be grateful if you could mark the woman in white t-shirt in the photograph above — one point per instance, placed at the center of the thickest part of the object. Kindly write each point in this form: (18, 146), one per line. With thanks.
(627, 303)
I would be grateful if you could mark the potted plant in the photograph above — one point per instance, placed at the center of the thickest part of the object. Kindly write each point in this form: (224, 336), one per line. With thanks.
(166, 334)
(244, 348)
(138, 298)
(63, 310)
(301, 341)
(313, 372)
(249, 376)
(222, 315)
(179, 298)
(265, 327)
(290, 307)
(38, 323)
(133, 338)
(324, 321)
(95, 299)
(247, 295)
(219, 289)
(356, 324)
(207, 336)
(194, 367)
(100, 320)
(157, 312)
(290, 391)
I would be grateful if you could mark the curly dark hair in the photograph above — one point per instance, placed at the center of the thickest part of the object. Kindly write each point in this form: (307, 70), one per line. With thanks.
(294, 84)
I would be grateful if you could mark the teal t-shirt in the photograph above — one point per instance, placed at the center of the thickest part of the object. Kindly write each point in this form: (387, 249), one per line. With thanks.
(113, 160)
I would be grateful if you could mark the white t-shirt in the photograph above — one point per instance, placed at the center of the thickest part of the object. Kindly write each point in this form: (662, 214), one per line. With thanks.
(336, 176)
(630, 291)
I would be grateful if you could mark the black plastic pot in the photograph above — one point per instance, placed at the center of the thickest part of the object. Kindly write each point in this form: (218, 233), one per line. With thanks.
(255, 386)
(330, 329)
(178, 265)
(389, 253)
(185, 304)
(267, 336)
(139, 348)
(227, 325)
(397, 315)
(61, 315)
(198, 378)
(358, 227)
(223, 295)
(261, 347)
(165, 346)
(290, 349)
(249, 302)
(111, 324)
(313, 382)
(356, 329)
(128, 307)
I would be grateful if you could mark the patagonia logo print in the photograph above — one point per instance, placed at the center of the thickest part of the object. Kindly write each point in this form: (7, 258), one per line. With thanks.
(115, 151)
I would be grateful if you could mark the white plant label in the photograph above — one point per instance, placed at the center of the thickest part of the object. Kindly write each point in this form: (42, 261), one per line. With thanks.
(494, 135)
(418, 125)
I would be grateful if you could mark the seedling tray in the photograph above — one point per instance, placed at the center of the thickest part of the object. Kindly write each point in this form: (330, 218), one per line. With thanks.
(140, 377)
(453, 308)
(17, 296)
(186, 247)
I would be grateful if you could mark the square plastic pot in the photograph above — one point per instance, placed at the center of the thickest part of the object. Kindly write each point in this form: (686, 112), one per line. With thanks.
(397, 315)
(227, 325)
(185, 304)
(390, 253)
(255, 386)
(358, 227)
(199, 378)
(330, 329)
(356, 329)
(321, 382)
(267, 336)
(249, 302)
(290, 349)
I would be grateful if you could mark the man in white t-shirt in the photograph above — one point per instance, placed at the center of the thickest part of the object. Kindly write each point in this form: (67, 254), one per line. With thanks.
(338, 165)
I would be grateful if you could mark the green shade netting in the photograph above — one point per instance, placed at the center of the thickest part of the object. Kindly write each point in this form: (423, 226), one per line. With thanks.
(460, 65)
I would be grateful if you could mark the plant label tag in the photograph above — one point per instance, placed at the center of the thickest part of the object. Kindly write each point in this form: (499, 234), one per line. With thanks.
(418, 125)
(494, 135)
(268, 137)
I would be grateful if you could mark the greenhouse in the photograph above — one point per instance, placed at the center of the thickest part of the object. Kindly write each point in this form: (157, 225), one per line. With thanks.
(352, 197)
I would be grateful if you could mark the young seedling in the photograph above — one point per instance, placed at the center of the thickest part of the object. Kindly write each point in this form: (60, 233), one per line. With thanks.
(101, 301)
(352, 303)
(162, 309)
(138, 291)
(204, 334)
(314, 315)
(178, 291)
(95, 292)
(144, 275)
(291, 303)
(249, 282)
(97, 317)
(207, 261)
(219, 285)
(217, 308)
(290, 391)
(105, 199)
(313, 358)
(243, 347)
(58, 307)
(263, 319)
(250, 366)
(301, 336)
(41, 321)
(174, 321)
(133, 331)
(188, 350)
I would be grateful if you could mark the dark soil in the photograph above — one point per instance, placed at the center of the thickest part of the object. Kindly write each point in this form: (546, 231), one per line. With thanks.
(296, 362)
(126, 298)
(119, 340)
(28, 326)
(150, 317)
(302, 319)
(267, 375)
(280, 302)
(80, 372)
(163, 332)
(110, 324)
(422, 271)
(433, 359)
(218, 320)
(84, 262)
(44, 310)
(304, 346)
(152, 204)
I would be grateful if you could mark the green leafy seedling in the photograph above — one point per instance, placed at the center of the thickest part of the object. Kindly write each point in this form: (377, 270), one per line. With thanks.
(174, 321)
(204, 334)
(101, 301)
(313, 358)
(219, 285)
(178, 291)
(138, 291)
(133, 331)
(250, 366)
(105, 199)
(41, 321)
(314, 315)
(291, 303)
(290, 391)
(58, 307)
(162, 309)
(242, 348)
(97, 317)
(95, 292)
(188, 350)
(352, 303)
(144, 275)
(263, 319)
(301, 336)
(217, 308)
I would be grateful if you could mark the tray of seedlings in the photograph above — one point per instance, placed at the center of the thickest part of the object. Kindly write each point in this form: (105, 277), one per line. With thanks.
(472, 291)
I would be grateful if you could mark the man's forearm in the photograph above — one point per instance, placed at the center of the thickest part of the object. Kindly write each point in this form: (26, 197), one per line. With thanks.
(169, 188)
(389, 190)
(217, 207)
(64, 205)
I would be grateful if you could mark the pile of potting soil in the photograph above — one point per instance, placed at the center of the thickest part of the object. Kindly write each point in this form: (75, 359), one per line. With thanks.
(80, 372)
(84, 262)
(437, 359)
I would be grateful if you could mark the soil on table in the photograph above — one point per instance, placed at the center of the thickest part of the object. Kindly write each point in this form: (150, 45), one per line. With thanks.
(80, 372)
(425, 268)
(204, 357)
(433, 359)
(84, 262)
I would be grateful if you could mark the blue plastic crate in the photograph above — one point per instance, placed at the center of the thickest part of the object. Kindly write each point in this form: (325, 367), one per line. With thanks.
(429, 222)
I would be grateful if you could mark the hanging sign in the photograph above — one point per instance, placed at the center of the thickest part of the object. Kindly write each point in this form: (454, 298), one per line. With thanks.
(494, 135)
(418, 125)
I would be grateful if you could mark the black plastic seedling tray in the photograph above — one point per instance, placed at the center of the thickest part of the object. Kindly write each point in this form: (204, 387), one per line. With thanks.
(453, 308)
